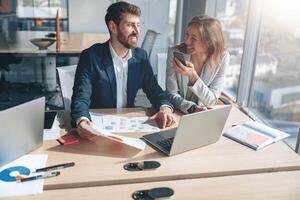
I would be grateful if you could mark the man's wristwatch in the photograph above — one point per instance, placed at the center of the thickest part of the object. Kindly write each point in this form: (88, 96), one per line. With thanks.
(192, 109)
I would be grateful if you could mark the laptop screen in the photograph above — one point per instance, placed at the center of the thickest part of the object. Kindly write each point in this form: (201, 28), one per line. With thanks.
(21, 129)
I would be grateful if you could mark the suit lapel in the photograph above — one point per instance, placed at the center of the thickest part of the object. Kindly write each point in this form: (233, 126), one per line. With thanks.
(109, 68)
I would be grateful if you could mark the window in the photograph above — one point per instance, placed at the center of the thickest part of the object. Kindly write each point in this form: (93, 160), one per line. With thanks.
(39, 15)
(25, 72)
(275, 95)
(233, 16)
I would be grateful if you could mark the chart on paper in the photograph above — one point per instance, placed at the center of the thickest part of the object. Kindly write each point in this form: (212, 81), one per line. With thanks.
(118, 124)
(21, 168)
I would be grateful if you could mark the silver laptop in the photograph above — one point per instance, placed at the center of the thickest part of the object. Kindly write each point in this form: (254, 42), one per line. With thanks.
(21, 129)
(194, 131)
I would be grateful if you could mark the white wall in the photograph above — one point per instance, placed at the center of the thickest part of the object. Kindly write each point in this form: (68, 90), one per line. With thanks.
(155, 16)
(88, 16)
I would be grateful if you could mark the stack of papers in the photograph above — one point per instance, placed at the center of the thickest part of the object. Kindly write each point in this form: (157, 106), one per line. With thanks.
(106, 125)
(118, 124)
(133, 142)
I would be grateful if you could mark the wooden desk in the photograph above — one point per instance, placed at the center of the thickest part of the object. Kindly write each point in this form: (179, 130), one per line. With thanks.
(275, 186)
(99, 163)
(71, 43)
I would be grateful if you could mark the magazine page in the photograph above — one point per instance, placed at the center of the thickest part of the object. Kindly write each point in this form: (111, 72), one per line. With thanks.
(249, 137)
(274, 133)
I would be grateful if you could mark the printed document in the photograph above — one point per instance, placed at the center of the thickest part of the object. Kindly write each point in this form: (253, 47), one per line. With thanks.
(21, 167)
(118, 124)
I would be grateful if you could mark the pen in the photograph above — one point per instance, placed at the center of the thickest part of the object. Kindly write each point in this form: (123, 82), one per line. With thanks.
(32, 178)
(55, 167)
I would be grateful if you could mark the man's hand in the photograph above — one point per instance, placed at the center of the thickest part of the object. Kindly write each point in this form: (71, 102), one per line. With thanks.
(164, 117)
(83, 129)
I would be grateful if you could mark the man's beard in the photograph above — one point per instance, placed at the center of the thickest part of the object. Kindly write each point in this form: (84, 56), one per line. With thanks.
(125, 41)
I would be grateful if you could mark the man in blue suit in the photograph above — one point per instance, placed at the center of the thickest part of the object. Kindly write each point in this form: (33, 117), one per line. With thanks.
(109, 75)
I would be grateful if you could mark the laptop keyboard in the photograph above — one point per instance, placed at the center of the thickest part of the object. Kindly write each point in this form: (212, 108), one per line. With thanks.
(166, 143)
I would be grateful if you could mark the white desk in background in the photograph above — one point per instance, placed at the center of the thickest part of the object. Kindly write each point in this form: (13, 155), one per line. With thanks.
(72, 44)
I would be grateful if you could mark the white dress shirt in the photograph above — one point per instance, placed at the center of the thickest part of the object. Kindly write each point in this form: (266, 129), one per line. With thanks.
(121, 73)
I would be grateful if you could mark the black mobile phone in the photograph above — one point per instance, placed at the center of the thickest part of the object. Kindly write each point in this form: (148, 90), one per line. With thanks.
(180, 56)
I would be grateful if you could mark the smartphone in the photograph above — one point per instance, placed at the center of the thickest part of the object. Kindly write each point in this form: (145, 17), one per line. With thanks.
(180, 56)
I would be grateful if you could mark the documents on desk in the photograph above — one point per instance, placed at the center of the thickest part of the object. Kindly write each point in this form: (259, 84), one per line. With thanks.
(132, 142)
(255, 135)
(51, 126)
(22, 167)
(118, 124)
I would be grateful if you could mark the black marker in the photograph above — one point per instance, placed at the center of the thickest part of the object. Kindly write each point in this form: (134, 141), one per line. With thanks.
(47, 175)
(55, 167)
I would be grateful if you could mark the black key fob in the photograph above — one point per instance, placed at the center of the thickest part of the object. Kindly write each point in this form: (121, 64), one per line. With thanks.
(138, 166)
(153, 193)
(160, 192)
(141, 195)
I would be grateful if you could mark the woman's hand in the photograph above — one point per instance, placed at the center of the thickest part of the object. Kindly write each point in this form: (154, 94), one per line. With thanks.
(186, 70)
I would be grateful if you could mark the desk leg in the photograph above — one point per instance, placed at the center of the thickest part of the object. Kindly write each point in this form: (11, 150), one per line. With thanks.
(297, 147)
(49, 73)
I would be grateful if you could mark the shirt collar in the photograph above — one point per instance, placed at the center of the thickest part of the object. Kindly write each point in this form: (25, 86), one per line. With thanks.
(115, 56)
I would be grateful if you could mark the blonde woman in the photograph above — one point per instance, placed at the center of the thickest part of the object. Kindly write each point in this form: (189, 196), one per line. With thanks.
(198, 83)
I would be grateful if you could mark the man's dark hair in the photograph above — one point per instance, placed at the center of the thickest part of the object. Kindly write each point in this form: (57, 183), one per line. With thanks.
(115, 11)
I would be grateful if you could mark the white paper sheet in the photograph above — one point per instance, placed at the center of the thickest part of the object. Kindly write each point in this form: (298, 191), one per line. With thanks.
(52, 134)
(117, 124)
(30, 163)
(133, 142)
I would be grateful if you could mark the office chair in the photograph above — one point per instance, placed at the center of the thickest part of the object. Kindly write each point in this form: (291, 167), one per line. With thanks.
(149, 41)
(161, 69)
(5, 60)
(66, 77)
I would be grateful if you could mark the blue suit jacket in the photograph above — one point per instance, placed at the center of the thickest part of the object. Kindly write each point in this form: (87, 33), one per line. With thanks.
(95, 81)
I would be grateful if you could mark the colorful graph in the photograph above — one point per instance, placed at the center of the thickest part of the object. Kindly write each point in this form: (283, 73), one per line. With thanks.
(7, 175)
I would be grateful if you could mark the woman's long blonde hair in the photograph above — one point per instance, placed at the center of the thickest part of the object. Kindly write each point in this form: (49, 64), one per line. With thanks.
(210, 30)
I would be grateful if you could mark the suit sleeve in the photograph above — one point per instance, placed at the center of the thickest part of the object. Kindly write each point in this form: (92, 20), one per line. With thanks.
(150, 86)
(208, 95)
(82, 89)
